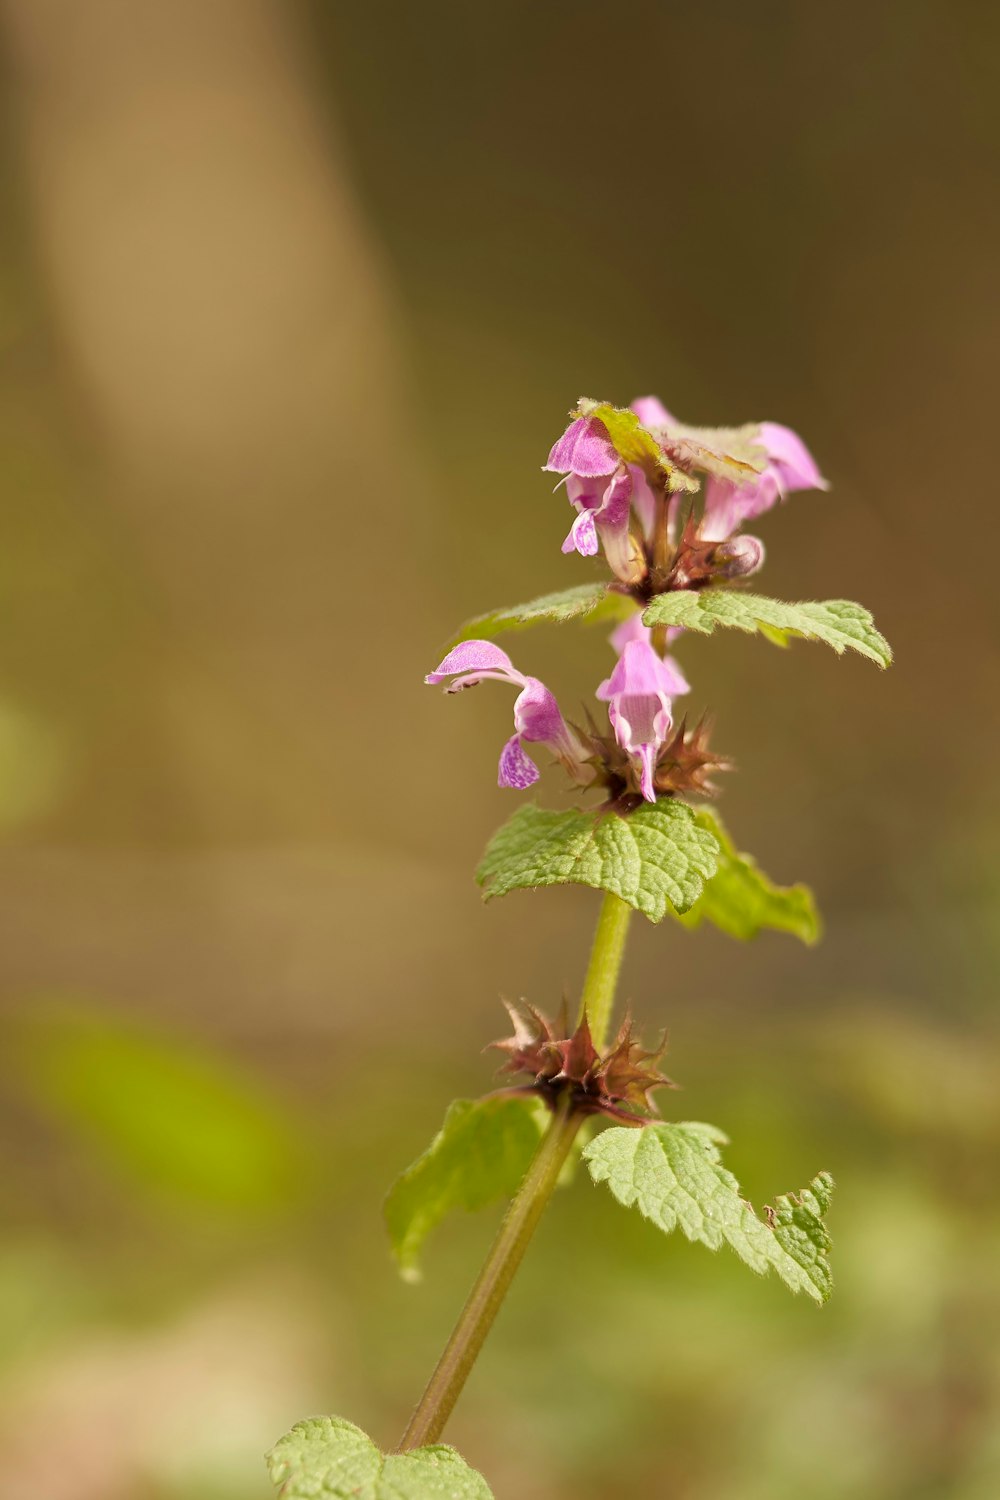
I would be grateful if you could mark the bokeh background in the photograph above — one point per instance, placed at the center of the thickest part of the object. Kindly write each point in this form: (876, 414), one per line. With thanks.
(293, 299)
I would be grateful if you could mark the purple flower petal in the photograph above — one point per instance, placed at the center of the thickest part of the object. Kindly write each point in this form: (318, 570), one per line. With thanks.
(643, 501)
(631, 629)
(790, 466)
(638, 694)
(640, 719)
(727, 505)
(647, 762)
(585, 494)
(624, 555)
(668, 675)
(641, 729)
(672, 679)
(582, 536)
(536, 714)
(585, 448)
(475, 657)
(636, 671)
(516, 769)
(617, 503)
(604, 513)
(635, 720)
(790, 460)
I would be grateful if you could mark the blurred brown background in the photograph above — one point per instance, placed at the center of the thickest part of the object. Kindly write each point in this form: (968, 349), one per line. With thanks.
(293, 300)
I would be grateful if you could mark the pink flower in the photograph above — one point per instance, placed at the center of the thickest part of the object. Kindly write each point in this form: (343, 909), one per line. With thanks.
(639, 695)
(602, 489)
(537, 719)
(585, 449)
(790, 467)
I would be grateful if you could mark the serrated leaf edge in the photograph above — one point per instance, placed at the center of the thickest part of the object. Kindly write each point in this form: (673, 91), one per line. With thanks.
(706, 1227)
(283, 1472)
(701, 858)
(696, 614)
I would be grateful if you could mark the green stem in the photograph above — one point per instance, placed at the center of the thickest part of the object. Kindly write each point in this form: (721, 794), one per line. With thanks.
(606, 955)
(476, 1318)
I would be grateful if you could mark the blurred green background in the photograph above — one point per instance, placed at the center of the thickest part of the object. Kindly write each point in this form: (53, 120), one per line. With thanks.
(293, 300)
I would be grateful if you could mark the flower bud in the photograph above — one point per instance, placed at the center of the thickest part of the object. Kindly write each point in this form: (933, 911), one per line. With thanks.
(738, 557)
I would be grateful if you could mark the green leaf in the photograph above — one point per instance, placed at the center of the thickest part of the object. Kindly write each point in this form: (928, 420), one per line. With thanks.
(673, 1174)
(838, 622)
(326, 1458)
(735, 454)
(592, 602)
(656, 857)
(741, 900)
(481, 1153)
(732, 453)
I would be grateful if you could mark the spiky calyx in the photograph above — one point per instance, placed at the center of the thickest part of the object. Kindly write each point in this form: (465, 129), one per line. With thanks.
(686, 763)
(616, 1083)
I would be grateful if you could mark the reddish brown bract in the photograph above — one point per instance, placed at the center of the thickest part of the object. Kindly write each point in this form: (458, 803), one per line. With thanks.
(615, 1084)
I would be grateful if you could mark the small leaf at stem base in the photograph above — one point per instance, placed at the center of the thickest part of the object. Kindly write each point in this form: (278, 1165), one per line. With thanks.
(326, 1458)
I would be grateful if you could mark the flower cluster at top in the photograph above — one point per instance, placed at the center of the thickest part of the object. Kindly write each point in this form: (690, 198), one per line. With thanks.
(633, 478)
(629, 476)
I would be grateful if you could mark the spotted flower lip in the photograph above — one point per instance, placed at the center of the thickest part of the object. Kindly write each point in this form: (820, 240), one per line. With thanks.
(639, 694)
(603, 520)
(619, 494)
(601, 488)
(537, 717)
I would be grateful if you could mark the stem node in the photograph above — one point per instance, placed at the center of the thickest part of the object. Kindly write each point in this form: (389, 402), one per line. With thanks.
(476, 1318)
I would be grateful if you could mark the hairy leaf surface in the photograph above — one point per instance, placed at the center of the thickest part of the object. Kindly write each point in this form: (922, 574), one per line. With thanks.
(742, 901)
(591, 602)
(673, 1174)
(838, 622)
(731, 453)
(326, 1458)
(481, 1153)
(656, 857)
(634, 443)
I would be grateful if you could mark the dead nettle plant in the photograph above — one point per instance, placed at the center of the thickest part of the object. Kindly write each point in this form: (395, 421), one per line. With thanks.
(666, 504)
